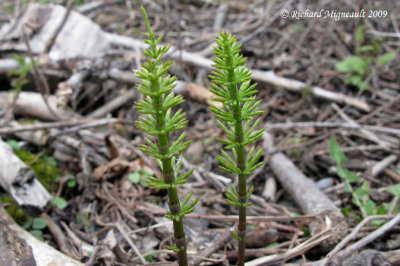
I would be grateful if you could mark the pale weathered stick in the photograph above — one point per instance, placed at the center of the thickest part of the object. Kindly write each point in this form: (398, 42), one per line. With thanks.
(343, 125)
(188, 89)
(258, 75)
(310, 199)
(15, 127)
(294, 252)
(354, 233)
(117, 102)
(381, 165)
(32, 104)
(369, 238)
(220, 16)
(42, 253)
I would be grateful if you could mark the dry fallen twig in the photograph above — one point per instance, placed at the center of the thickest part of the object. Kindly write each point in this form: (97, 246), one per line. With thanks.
(296, 251)
(337, 254)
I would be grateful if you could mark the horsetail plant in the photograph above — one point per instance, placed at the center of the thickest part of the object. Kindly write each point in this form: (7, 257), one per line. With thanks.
(159, 120)
(231, 85)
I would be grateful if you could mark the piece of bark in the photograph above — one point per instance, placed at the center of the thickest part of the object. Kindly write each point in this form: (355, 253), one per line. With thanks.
(393, 256)
(43, 254)
(310, 199)
(32, 104)
(368, 257)
(14, 250)
(20, 182)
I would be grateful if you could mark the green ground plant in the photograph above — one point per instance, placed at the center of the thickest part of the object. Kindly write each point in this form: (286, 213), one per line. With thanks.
(360, 66)
(20, 74)
(361, 196)
(35, 226)
(231, 85)
(159, 120)
(140, 177)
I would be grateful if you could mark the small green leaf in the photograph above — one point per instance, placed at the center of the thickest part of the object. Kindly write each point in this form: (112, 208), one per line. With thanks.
(357, 81)
(336, 153)
(366, 48)
(235, 235)
(353, 64)
(360, 34)
(349, 213)
(385, 58)
(14, 144)
(349, 176)
(362, 191)
(38, 234)
(71, 182)
(370, 207)
(272, 245)
(60, 203)
(381, 210)
(134, 178)
(347, 187)
(38, 223)
(298, 27)
(143, 181)
(28, 223)
(378, 222)
(50, 160)
(149, 258)
(174, 249)
(395, 190)
(306, 231)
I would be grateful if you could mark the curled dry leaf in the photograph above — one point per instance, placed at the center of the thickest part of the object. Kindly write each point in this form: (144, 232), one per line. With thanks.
(117, 166)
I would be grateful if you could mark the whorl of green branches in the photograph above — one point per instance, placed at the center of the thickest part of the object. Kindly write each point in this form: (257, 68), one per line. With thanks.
(231, 83)
(159, 120)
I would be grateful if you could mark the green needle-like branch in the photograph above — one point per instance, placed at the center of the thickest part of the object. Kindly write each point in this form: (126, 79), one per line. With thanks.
(159, 120)
(231, 86)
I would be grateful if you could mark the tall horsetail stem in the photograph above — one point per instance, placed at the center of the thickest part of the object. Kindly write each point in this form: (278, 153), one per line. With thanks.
(159, 120)
(231, 85)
